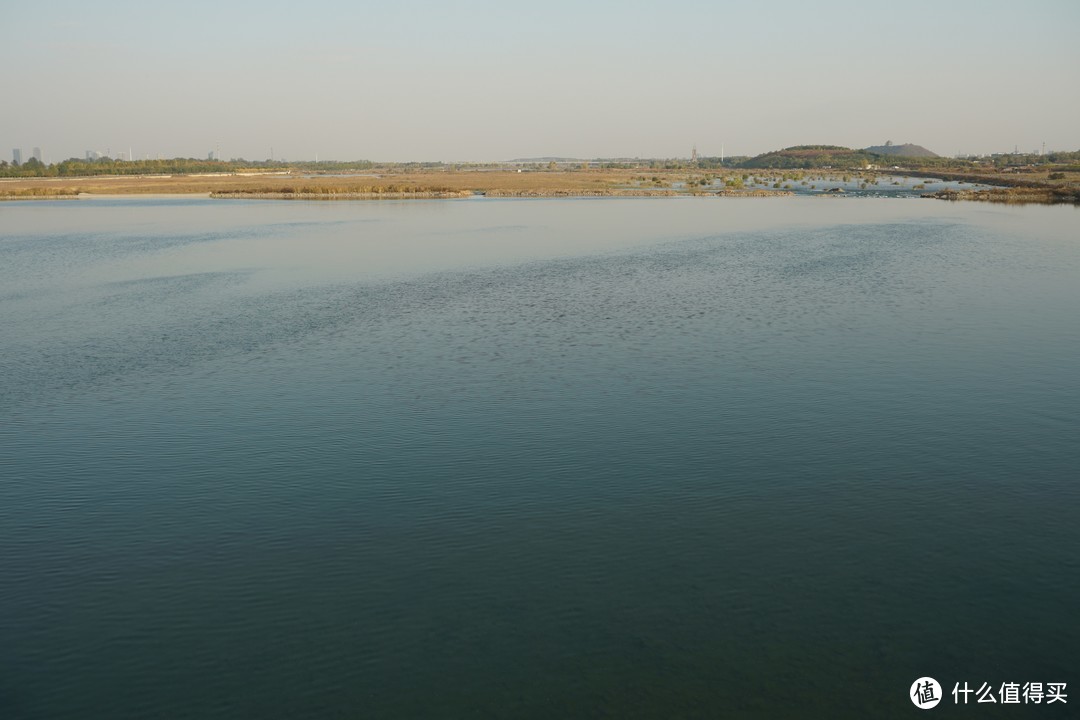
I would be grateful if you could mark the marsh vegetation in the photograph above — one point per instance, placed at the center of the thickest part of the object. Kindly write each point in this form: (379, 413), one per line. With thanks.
(415, 181)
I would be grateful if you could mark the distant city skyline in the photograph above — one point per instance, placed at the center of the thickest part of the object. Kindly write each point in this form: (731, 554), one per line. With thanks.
(693, 155)
(416, 81)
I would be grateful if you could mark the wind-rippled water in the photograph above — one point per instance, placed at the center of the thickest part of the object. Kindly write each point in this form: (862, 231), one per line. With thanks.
(633, 458)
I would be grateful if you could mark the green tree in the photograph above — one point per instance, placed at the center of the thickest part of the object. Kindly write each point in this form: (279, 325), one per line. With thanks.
(33, 167)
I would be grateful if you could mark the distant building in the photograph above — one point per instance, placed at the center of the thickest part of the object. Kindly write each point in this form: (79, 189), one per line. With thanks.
(16, 155)
(37, 154)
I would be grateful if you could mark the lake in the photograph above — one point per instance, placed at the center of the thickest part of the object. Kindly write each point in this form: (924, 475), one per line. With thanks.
(557, 458)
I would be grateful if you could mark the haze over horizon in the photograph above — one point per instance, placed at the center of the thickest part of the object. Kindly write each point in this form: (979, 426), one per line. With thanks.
(477, 81)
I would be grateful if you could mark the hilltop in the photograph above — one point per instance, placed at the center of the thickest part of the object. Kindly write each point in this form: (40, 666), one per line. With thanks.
(837, 157)
(812, 156)
(905, 150)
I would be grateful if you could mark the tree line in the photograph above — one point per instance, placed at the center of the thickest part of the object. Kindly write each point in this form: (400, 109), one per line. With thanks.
(75, 167)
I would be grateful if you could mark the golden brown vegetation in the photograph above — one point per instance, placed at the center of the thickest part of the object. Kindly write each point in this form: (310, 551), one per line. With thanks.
(330, 192)
(23, 193)
(390, 182)
(395, 183)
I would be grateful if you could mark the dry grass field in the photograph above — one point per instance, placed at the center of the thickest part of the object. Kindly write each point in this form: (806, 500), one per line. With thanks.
(388, 182)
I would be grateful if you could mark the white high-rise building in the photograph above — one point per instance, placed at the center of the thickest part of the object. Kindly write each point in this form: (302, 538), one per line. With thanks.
(16, 156)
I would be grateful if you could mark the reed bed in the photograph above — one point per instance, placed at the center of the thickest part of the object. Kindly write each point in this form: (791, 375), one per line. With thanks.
(30, 193)
(343, 192)
(291, 194)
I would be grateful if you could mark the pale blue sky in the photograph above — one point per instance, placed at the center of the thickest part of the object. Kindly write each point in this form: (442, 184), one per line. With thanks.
(467, 80)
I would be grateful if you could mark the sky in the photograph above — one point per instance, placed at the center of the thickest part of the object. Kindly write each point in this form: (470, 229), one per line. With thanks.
(418, 80)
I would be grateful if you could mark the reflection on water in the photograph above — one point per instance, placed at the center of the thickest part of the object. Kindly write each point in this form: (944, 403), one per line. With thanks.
(533, 458)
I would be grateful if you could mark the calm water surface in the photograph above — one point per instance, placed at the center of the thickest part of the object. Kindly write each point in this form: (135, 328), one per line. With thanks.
(627, 458)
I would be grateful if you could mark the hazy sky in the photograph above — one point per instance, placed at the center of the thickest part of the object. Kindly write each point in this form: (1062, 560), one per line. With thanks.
(465, 80)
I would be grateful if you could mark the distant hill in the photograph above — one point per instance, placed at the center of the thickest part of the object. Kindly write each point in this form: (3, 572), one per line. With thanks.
(812, 156)
(905, 150)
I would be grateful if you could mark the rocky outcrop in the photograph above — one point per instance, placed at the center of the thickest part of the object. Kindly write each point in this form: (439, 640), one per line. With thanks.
(1020, 195)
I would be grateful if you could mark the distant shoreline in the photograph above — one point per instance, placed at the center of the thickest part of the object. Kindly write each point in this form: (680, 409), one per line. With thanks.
(453, 184)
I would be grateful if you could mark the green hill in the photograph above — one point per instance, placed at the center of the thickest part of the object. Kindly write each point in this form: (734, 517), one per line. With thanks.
(812, 156)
